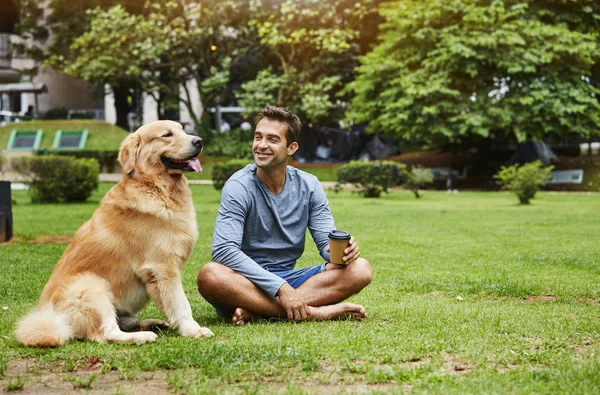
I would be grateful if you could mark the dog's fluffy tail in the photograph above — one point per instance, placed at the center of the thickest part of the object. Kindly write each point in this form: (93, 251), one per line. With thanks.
(44, 327)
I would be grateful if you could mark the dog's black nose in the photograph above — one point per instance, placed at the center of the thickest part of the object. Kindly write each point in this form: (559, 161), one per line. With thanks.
(197, 142)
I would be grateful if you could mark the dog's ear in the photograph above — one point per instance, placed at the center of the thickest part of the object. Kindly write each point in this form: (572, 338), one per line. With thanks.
(129, 152)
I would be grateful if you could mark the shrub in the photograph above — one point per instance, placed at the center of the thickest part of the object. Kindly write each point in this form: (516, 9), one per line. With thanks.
(58, 178)
(234, 144)
(106, 159)
(416, 178)
(525, 180)
(372, 178)
(81, 114)
(222, 171)
(56, 113)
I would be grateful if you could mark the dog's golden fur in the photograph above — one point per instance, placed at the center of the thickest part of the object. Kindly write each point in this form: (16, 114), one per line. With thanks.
(131, 251)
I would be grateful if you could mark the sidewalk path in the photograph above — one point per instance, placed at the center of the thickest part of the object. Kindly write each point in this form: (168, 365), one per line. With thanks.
(116, 177)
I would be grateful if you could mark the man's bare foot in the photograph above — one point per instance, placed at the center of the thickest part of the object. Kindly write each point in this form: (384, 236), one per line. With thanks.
(334, 311)
(241, 316)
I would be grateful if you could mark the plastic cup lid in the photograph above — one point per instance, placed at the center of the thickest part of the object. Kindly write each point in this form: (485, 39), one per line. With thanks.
(339, 235)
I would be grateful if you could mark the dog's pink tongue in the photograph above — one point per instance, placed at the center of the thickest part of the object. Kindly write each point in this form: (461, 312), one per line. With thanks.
(195, 164)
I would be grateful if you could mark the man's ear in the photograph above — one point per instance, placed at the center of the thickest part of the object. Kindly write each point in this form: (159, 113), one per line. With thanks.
(292, 148)
(129, 152)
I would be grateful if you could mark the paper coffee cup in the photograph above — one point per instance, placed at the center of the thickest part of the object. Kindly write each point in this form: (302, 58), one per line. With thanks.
(338, 241)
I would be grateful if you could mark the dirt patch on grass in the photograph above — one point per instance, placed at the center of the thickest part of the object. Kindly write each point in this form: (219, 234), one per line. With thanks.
(539, 298)
(38, 381)
(505, 367)
(455, 365)
(585, 300)
(41, 239)
(51, 239)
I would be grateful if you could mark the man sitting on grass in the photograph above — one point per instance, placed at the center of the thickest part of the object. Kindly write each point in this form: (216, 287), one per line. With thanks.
(260, 233)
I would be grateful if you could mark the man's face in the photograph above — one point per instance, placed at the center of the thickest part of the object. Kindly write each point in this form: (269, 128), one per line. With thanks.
(270, 147)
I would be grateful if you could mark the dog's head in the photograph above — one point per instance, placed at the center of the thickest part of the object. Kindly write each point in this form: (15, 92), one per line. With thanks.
(160, 147)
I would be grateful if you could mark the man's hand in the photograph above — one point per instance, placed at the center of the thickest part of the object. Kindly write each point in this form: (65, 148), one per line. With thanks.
(351, 253)
(293, 304)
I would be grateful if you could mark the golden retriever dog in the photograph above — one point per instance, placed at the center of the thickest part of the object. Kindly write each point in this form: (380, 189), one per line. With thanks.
(131, 251)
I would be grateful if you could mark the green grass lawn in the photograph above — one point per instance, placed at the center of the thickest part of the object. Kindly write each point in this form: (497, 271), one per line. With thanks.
(101, 136)
(471, 293)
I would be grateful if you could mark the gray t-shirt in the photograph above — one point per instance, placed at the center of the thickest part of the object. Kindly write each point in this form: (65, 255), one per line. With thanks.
(258, 233)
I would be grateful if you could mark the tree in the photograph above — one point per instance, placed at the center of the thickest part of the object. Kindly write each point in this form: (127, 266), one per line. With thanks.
(50, 32)
(450, 70)
(312, 47)
(164, 48)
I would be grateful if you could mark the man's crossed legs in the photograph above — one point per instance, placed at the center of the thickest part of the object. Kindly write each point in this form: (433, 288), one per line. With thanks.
(233, 294)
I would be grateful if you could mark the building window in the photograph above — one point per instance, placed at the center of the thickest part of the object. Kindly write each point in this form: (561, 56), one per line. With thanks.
(24, 140)
(70, 140)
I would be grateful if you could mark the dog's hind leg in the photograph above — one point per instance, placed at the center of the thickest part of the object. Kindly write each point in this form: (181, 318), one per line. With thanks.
(113, 334)
(88, 301)
(129, 323)
(151, 325)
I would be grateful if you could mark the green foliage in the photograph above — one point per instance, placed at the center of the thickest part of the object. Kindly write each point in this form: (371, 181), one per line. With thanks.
(57, 178)
(451, 70)
(167, 46)
(233, 144)
(524, 180)
(313, 44)
(261, 91)
(372, 178)
(416, 178)
(2, 161)
(81, 382)
(222, 171)
(15, 384)
(106, 159)
(56, 113)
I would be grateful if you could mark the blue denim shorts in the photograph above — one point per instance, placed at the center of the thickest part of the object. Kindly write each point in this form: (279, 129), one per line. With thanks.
(294, 277)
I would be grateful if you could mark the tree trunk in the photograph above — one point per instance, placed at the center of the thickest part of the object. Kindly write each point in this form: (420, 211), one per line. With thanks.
(122, 106)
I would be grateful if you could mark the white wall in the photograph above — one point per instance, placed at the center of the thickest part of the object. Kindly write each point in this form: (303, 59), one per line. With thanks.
(110, 114)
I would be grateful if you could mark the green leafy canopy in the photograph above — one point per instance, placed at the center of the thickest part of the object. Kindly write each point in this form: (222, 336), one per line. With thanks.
(456, 69)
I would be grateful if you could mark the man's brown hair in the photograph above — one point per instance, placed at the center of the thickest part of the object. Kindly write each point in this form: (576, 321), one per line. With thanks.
(283, 115)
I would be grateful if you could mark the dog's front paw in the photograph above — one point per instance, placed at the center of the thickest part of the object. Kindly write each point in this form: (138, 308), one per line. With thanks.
(143, 337)
(192, 329)
(205, 332)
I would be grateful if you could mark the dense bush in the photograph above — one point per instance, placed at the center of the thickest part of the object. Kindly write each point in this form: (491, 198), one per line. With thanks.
(222, 171)
(524, 180)
(416, 178)
(372, 178)
(81, 114)
(106, 159)
(235, 144)
(58, 178)
(56, 113)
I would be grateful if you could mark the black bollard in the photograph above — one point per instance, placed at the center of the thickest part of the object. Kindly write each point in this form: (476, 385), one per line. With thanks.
(6, 220)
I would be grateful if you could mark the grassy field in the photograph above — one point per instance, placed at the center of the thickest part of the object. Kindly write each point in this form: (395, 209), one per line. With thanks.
(471, 293)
